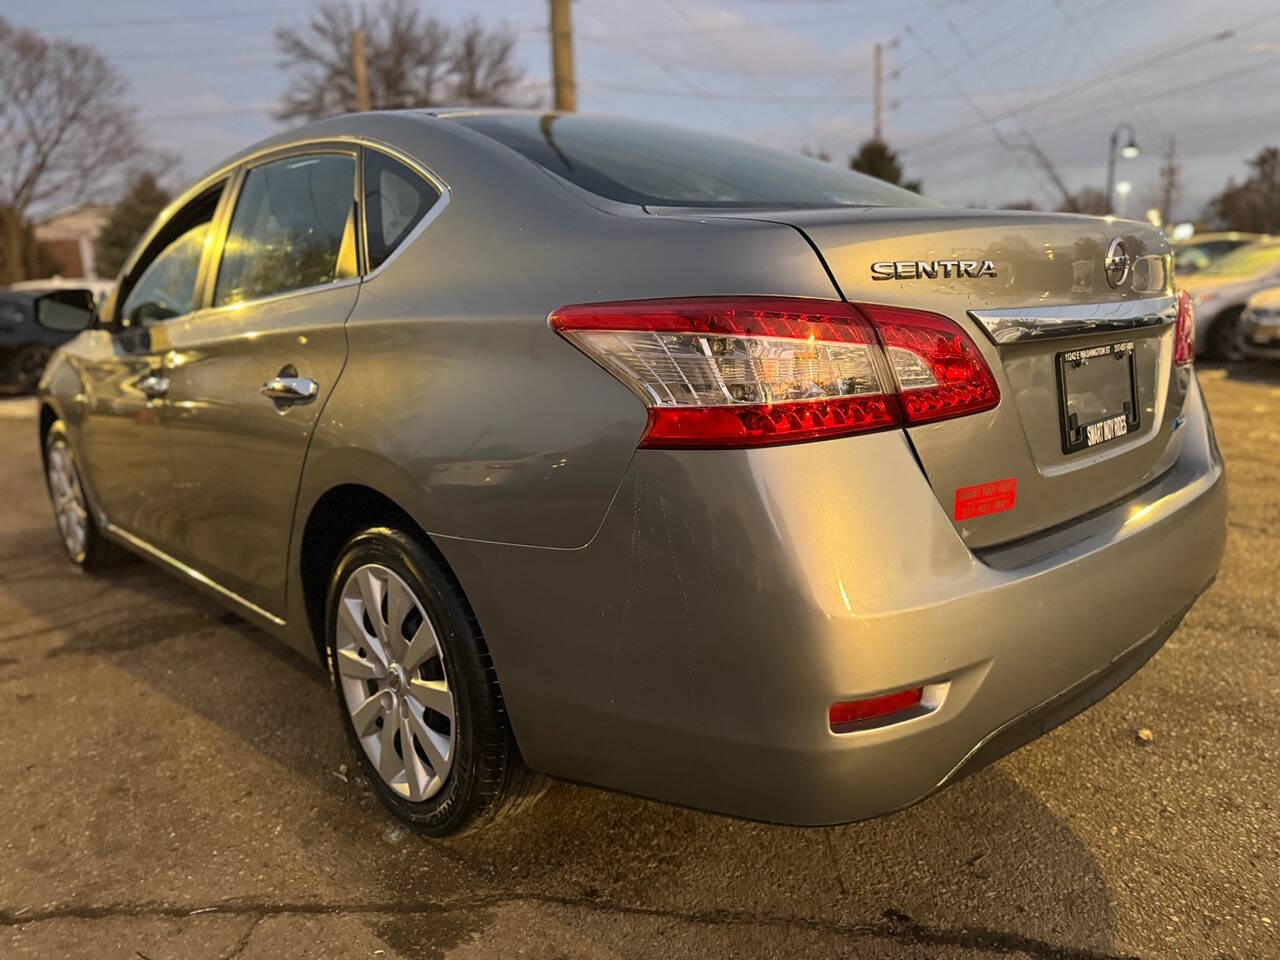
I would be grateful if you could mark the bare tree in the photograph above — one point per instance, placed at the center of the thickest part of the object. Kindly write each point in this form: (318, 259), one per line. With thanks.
(1088, 200)
(481, 65)
(67, 131)
(413, 61)
(1255, 204)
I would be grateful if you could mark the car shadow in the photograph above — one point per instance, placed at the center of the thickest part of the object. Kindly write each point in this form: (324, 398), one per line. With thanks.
(984, 865)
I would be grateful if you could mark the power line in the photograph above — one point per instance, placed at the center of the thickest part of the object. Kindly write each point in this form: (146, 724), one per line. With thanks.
(260, 110)
(713, 41)
(1170, 91)
(739, 97)
(1088, 115)
(1041, 158)
(1160, 58)
(166, 20)
(1102, 65)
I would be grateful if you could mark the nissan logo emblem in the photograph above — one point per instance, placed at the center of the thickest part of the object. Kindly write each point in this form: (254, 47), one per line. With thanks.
(1117, 263)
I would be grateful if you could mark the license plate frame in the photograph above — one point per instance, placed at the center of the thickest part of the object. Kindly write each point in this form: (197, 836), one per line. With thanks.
(1115, 423)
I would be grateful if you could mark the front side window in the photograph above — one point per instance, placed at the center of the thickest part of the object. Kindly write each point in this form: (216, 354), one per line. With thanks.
(167, 286)
(293, 227)
(396, 200)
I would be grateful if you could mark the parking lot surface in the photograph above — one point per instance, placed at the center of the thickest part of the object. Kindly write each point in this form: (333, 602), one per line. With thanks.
(175, 784)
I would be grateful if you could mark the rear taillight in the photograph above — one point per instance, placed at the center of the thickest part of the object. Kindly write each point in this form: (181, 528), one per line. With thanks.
(1184, 332)
(753, 371)
(938, 370)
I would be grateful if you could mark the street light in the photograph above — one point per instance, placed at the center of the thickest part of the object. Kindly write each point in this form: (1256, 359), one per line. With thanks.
(1128, 151)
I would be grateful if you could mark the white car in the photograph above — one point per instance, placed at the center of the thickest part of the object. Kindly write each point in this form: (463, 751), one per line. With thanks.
(101, 288)
(1260, 325)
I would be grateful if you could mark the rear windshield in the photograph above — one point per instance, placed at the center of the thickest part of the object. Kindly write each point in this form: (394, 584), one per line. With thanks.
(649, 163)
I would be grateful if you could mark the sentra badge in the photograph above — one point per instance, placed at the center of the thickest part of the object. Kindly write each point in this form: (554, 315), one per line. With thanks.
(931, 269)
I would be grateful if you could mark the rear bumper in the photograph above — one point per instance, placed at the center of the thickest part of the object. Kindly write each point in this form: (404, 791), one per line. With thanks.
(690, 651)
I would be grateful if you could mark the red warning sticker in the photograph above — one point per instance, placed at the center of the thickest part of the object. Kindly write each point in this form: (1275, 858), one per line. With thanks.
(984, 498)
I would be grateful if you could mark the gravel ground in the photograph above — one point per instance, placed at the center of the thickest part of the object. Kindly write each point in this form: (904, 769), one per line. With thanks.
(172, 786)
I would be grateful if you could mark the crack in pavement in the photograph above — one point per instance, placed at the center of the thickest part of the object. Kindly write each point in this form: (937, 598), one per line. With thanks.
(243, 940)
(895, 926)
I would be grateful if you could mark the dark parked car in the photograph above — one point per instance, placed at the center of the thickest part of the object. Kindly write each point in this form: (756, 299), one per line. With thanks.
(25, 346)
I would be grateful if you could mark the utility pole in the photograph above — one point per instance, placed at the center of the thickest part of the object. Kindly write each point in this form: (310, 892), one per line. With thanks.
(566, 90)
(361, 68)
(879, 94)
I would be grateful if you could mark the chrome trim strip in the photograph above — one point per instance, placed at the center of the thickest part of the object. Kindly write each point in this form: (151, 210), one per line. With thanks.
(1035, 323)
(206, 313)
(191, 573)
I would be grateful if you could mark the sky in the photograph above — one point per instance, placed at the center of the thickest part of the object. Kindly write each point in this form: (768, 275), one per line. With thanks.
(968, 83)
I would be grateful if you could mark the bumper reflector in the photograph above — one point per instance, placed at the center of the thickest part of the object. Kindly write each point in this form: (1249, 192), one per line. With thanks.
(849, 714)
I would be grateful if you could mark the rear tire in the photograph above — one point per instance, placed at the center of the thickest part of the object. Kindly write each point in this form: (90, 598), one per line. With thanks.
(1224, 337)
(409, 664)
(86, 547)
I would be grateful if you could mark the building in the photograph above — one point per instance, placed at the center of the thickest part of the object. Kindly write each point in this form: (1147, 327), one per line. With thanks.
(70, 237)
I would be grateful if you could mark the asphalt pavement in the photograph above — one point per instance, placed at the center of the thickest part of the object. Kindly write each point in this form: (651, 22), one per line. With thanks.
(174, 784)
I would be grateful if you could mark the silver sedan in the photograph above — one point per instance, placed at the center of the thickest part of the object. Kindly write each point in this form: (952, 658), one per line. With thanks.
(645, 458)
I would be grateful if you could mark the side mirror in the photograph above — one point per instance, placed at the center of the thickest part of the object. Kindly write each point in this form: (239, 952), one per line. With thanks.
(66, 311)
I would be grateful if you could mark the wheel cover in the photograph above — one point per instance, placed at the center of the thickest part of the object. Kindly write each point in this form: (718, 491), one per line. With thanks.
(68, 498)
(391, 668)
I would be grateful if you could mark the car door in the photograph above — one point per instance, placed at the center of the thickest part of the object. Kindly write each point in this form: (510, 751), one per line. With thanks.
(121, 431)
(248, 376)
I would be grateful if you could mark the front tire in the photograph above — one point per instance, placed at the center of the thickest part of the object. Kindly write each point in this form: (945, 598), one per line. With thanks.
(417, 691)
(86, 547)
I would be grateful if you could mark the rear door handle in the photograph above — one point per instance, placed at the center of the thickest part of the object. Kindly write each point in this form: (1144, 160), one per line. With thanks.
(154, 386)
(291, 389)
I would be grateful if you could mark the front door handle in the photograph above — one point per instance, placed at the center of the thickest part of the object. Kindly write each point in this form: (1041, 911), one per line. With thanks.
(291, 389)
(154, 386)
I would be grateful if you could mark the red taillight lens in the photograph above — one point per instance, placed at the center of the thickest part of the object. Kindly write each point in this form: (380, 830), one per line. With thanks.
(1184, 332)
(843, 715)
(939, 371)
(753, 371)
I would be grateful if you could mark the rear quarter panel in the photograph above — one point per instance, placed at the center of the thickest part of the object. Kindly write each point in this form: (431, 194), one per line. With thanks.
(459, 396)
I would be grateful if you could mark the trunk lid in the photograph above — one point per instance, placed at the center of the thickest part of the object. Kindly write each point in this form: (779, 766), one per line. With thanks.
(1028, 288)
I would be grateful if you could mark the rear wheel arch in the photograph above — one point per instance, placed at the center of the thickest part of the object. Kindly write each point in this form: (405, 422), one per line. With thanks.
(339, 513)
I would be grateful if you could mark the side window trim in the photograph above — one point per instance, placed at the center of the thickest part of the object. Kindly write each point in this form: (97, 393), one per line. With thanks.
(442, 188)
(232, 195)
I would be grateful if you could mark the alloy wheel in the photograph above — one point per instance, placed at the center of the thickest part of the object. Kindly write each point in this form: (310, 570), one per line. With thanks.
(390, 665)
(68, 499)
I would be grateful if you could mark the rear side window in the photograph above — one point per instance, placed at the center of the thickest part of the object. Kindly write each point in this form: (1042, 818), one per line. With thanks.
(293, 227)
(396, 200)
(654, 164)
